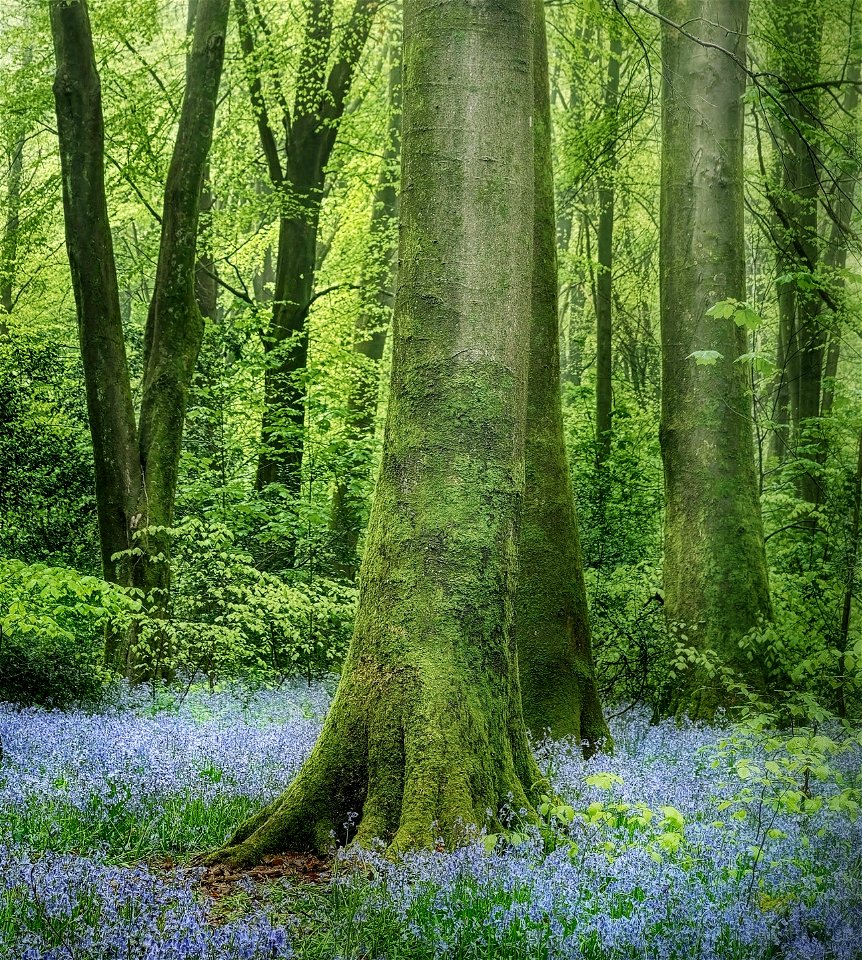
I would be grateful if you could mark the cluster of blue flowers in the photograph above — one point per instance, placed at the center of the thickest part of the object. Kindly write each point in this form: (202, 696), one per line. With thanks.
(70, 907)
(658, 851)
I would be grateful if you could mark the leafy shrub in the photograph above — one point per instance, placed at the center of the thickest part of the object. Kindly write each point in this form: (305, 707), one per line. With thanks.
(229, 620)
(52, 623)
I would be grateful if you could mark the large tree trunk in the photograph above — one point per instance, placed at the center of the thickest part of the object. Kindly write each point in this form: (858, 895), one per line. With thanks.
(605, 245)
(136, 471)
(715, 566)
(425, 732)
(372, 321)
(558, 685)
(80, 128)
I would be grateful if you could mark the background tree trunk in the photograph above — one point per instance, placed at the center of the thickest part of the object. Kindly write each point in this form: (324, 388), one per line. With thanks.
(80, 128)
(715, 566)
(425, 732)
(310, 131)
(605, 251)
(558, 686)
(9, 242)
(372, 321)
(835, 255)
(799, 26)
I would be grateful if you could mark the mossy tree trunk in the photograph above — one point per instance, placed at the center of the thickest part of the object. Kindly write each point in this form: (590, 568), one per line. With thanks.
(81, 134)
(558, 684)
(136, 468)
(714, 566)
(372, 321)
(425, 733)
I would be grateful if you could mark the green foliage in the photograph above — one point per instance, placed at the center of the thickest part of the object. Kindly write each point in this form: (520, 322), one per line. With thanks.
(228, 620)
(52, 623)
(47, 508)
(742, 314)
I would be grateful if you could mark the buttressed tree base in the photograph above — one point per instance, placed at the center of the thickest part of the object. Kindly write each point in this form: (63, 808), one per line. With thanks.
(425, 733)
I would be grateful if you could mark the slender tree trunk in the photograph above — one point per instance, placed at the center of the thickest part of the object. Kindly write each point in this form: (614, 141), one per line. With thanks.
(80, 127)
(286, 342)
(378, 296)
(786, 400)
(605, 244)
(558, 684)
(425, 733)
(715, 566)
(847, 607)
(175, 326)
(9, 243)
(311, 131)
(136, 470)
(835, 255)
(799, 27)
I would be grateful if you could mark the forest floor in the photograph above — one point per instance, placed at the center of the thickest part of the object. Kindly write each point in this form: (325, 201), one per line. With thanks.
(689, 842)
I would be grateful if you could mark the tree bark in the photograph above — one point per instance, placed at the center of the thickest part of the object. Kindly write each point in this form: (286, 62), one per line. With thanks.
(136, 470)
(372, 321)
(558, 685)
(9, 243)
(605, 245)
(80, 128)
(715, 566)
(310, 132)
(425, 732)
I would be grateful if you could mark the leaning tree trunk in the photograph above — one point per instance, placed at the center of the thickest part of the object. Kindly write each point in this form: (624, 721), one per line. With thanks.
(136, 470)
(425, 733)
(715, 566)
(378, 296)
(558, 685)
(175, 326)
(80, 128)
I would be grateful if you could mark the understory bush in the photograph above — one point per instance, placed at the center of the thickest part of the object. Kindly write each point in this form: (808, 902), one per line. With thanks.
(52, 623)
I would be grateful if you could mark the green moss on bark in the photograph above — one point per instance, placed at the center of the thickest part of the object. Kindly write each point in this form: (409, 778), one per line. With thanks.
(715, 566)
(425, 734)
(555, 658)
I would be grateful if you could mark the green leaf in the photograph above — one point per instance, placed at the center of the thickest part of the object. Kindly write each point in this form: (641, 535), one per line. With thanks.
(746, 317)
(705, 358)
(723, 310)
